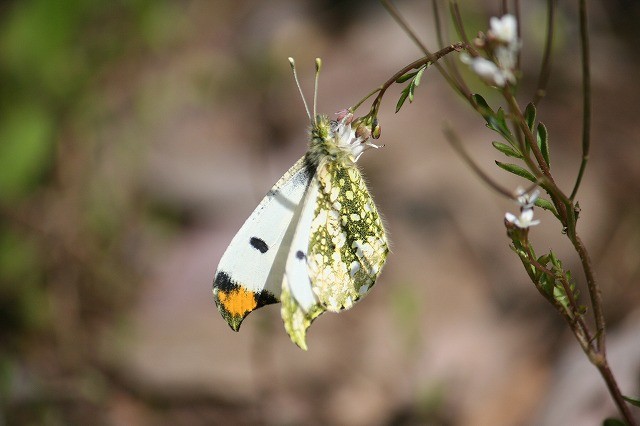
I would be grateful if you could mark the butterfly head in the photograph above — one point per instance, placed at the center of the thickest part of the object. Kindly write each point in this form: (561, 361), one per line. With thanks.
(343, 140)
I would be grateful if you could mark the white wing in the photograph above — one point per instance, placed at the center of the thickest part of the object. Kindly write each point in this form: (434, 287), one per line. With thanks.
(297, 270)
(300, 305)
(252, 268)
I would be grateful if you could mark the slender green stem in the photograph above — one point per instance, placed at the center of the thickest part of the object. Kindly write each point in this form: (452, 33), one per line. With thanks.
(586, 95)
(545, 67)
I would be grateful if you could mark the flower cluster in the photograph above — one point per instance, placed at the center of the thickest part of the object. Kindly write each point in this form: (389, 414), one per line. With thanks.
(501, 44)
(526, 202)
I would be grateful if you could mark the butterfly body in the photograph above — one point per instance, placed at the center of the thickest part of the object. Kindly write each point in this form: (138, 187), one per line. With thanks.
(315, 242)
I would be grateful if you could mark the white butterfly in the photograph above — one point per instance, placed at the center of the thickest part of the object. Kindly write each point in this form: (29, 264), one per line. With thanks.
(315, 242)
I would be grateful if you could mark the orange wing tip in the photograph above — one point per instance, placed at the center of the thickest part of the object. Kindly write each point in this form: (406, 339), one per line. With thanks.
(235, 301)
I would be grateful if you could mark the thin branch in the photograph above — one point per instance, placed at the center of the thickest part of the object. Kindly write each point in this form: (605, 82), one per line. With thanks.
(429, 59)
(459, 148)
(594, 293)
(457, 20)
(614, 390)
(586, 95)
(395, 14)
(545, 67)
(516, 8)
(573, 317)
(451, 65)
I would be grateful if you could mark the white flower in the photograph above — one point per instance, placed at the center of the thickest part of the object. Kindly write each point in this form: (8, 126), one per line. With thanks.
(485, 69)
(523, 221)
(525, 200)
(348, 139)
(507, 58)
(504, 29)
(502, 46)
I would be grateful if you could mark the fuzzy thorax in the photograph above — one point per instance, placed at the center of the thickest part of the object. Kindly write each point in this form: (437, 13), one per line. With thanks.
(336, 141)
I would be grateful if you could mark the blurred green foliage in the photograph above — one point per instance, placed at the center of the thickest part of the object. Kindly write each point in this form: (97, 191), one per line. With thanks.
(61, 275)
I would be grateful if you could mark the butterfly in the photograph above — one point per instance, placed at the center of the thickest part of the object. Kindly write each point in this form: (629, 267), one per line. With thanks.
(315, 242)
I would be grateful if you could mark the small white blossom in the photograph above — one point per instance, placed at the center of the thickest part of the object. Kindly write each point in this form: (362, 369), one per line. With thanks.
(485, 69)
(523, 221)
(525, 200)
(504, 29)
(507, 60)
(502, 46)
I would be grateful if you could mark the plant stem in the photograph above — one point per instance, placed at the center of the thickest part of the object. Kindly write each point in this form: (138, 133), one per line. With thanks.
(545, 67)
(594, 293)
(614, 390)
(430, 59)
(586, 95)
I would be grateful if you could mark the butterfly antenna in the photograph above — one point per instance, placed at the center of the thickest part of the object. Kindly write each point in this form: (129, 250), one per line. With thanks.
(315, 89)
(295, 77)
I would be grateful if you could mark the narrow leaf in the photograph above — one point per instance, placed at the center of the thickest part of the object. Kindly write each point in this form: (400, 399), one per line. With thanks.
(633, 401)
(546, 205)
(485, 109)
(543, 142)
(403, 97)
(507, 150)
(516, 170)
(613, 422)
(419, 75)
(406, 77)
(530, 115)
(412, 88)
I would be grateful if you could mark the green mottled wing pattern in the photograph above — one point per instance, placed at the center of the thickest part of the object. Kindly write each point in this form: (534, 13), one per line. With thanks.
(347, 248)
(347, 244)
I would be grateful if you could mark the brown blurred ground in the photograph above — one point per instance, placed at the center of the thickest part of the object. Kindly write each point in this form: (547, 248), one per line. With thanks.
(175, 120)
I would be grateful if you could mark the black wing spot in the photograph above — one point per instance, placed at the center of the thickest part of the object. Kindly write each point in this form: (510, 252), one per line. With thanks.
(259, 244)
(300, 255)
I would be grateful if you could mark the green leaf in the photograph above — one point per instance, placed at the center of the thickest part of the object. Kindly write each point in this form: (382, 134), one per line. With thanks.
(516, 170)
(484, 107)
(543, 142)
(507, 150)
(409, 91)
(478, 99)
(406, 77)
(530, 115)
(545, 204)
(419, 75)
(613, 422)
(543, 260)
(633, 401)
(546, 283)
(502, 122)
(403, 97)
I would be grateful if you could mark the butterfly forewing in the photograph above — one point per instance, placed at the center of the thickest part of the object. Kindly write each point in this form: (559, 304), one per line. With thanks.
(251, 270)
(300, 305)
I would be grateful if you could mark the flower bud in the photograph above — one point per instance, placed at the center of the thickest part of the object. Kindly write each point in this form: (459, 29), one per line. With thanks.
(344, 116)
(375, 129)
(363, 131)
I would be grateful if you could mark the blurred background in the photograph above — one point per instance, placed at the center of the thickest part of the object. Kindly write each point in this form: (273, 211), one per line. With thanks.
(137, 136)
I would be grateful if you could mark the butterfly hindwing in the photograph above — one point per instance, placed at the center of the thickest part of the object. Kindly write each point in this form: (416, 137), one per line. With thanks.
(337, 252)
(347, 245)
(251, 270)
